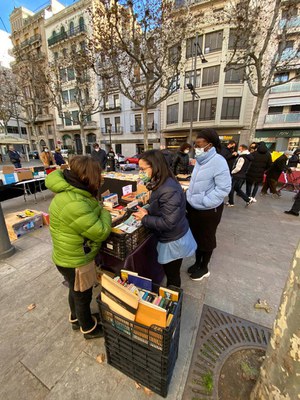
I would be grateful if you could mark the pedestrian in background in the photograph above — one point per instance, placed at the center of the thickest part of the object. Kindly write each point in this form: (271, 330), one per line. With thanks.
(59, 160)
(78, 226)
(181, 160)
(46, 157)
(253, 147)
(168, 155)
(229, 153)
(238, 173)
(166, 215)
(295, 210)
(99, 155)
(210, 183)
(294, 160)
(273, 173)
(14, 157)
(261, 162)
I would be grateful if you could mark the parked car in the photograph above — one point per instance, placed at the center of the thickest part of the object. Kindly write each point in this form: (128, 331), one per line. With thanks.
(33, 155)
(65, 153)
(134, 159)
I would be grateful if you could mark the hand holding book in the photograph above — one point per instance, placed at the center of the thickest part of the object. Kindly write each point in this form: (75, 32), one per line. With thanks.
(139, 215)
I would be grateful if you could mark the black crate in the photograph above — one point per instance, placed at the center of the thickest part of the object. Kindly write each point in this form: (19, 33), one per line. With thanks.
(146, 354)
(120, 245)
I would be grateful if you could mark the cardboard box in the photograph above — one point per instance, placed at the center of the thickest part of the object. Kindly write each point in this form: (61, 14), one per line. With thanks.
(8, 169)
(45, 216)
(17, 227)
(24, 175)
(10, 178)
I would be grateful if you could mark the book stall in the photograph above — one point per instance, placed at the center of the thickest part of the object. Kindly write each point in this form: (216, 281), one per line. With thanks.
(141, 323)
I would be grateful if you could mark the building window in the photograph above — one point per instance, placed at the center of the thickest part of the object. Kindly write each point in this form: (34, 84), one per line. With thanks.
(107, 124)
(55, 55)
(172, 114)
(64, 52)
(189, 78)
(138, 123)
(213, 42)
(116, 101)
(295, 108)
(174, 83)
(208, 109)
(81, 24)
(234, 75)
(75, 117)
(187, 111)
(71, 73)
(71, 28)
(174, 54)
(83, 46)
(67, 119)
(282, 77)
(88, 118)
(49, 129)
(211, 75)
(231, 108)
(275, 110)
(190, 44)
(118, 124)
(151, 121)
(63, 74)
(72, 95)
(65, 96)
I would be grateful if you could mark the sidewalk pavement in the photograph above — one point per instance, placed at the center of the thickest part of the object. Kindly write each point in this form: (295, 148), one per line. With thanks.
(42, 358)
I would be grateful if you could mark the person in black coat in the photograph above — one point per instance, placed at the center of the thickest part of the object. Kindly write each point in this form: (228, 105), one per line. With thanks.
(182, 160)
(168, 155)
(59, 160)
(295, 159)
(99, 155)
(295, 210)
(166, 215)
(274, 172)
(229, 153)
(14, 157)
(261, 162)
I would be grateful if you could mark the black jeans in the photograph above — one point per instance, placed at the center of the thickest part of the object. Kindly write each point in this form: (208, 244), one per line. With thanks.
(296, 204)
(203, 259)
(172, 271)
(237, 184)
(79, 302)
(249, 191)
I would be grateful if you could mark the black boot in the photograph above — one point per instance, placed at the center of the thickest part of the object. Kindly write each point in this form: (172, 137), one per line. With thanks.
(95, 332)
(195, 267)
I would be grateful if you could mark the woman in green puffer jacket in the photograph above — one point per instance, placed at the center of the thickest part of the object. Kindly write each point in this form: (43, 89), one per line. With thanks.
(78, 226)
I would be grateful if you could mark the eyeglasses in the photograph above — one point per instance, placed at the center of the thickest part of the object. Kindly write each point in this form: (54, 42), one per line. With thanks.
(143, 169)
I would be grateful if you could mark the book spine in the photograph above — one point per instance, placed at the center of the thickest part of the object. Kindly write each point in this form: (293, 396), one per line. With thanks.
(162, 302)
(157, 300)
(145, 295)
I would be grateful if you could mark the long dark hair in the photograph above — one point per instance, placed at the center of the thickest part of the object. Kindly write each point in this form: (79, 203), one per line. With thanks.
(160, 169)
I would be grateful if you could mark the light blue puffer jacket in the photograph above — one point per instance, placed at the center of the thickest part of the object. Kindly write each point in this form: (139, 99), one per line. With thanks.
(210, 181)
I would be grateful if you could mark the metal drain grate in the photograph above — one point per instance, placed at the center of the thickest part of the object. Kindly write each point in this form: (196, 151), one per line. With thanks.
(220, 334)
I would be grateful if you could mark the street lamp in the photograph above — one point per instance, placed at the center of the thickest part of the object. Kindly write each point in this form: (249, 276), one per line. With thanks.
(191, 86)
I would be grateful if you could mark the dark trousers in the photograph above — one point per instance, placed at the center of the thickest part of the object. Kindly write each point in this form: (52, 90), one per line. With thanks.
(249, 191)
(17, 164)
(269, 184)
(79, 302)
(203, 259)
(172, 271)
(296, 205)
(236, 186)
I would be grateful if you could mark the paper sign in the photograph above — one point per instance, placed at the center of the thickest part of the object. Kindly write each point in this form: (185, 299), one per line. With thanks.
(126, 189)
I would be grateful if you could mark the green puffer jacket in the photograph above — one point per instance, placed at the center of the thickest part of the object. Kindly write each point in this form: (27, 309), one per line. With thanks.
(78, 224)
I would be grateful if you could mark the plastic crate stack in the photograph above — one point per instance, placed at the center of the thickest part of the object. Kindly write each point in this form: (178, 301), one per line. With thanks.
(145, 354)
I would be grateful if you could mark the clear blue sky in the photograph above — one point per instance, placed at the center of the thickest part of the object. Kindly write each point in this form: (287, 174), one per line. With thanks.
(7, 6)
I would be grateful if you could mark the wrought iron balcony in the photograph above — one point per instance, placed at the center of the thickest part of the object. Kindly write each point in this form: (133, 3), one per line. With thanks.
(140, 128)
(65, 35)
(114, 130)
(287, 87)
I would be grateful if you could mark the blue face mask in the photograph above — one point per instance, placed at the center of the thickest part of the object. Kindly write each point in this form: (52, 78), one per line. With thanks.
(199, 152)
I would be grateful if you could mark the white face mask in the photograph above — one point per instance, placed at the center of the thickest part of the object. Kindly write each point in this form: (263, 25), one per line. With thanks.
(199, 151)
(46, 150)
(186, 151)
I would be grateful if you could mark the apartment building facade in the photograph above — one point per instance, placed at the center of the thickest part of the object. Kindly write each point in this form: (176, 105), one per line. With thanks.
(28, 38)
(279, 120)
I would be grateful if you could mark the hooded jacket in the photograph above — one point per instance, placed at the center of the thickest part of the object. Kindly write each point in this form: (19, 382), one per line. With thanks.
(242, 165)
(261, 162)
(78, 224)
(181, 163)
(210, 182)
(278, 166)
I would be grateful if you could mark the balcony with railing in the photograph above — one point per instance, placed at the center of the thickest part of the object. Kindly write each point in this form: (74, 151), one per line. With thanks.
(31, 40)
(114, 130)
(44, 117)
(287, 87)
(287, 118)
(140, 128)
(66, 35)
(111, 107)
(90, 124)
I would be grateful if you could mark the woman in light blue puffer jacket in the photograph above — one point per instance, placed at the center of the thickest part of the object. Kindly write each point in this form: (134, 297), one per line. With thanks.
(210, 184)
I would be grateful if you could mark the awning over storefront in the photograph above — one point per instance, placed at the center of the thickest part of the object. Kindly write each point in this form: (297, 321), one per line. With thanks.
(6, 139)
(287, 101)
(277, 133)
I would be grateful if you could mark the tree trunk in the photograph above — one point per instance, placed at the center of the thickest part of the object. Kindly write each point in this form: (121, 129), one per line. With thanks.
(146, 143)
(255, 115)
(82, 137)
(38, 146)
(280, 373)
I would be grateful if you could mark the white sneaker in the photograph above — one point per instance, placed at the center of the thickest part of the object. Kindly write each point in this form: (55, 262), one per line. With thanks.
(253, 199)
(229, 205)
(249, 202)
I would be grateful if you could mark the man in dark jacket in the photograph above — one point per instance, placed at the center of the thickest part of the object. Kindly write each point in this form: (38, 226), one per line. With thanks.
(274, 172)
(239, 171)
(14, 157)
(229, 153)
(295, 159)
(59, 160)
(181, 160)
(99, 155)
(295, 210)
(261, 162)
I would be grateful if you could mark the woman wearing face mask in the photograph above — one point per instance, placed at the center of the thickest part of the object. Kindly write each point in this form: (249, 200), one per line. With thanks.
(166, 215)
(210, 183)
(46, 157)
(181, 160)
